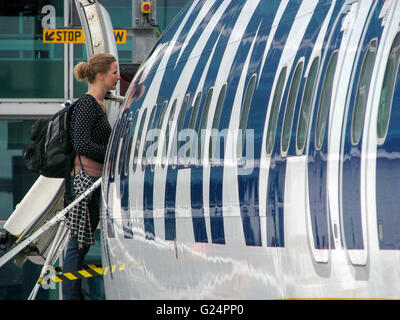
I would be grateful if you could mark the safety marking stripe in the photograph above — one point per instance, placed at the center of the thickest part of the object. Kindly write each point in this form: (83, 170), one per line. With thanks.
(87, 271)
(69, 276)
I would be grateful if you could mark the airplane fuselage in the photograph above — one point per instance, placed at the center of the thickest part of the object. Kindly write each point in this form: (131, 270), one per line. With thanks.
(256, 155)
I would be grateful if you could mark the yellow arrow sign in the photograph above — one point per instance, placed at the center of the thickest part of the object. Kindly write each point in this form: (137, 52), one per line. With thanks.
(75, 36)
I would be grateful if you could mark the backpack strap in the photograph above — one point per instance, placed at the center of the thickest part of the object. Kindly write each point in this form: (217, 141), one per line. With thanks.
(69, 163)
(67, 183)
(80, 160)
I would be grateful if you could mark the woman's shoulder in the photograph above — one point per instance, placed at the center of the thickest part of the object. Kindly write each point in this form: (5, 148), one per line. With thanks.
(86, 102)
(86, 99)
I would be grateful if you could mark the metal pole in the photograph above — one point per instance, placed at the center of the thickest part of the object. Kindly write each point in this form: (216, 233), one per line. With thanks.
(54, 250)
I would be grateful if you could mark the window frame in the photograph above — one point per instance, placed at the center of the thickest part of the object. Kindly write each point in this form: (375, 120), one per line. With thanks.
(381, 134)
(357, 118)
(185, 106)
(124, 137)
(155, 145)
(192, 125)
(307, 98)
(244, 112)
(325, 101)
(131, 136)
(203, 122)
(167, 134)
(293, 96)
(138, 139)
(275, 107)
(145, 146)
(117, 141)
(216, 119)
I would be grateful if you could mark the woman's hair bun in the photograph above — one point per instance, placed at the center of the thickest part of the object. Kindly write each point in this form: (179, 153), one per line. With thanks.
(82, 71)
(99, 62)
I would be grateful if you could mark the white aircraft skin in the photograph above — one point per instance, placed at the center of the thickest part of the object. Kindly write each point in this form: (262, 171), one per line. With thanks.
(308, 207)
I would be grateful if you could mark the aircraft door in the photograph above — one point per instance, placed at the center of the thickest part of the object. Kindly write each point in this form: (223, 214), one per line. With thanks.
(319, 219)
(388, 148)
(353, 213)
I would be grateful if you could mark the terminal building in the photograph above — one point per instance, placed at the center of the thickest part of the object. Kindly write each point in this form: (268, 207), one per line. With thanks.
(35, 78)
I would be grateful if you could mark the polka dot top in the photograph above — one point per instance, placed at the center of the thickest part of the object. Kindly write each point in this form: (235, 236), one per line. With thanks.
(90, 129)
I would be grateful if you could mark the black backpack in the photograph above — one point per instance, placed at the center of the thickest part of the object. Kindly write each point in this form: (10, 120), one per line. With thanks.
(51, 154)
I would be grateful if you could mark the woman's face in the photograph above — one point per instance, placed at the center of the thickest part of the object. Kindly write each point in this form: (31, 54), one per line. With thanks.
(112, 77)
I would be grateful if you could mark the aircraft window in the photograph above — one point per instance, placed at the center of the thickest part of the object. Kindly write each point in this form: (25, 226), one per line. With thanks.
(273, 118)
(146, 143)
(203, 122)
(181, 120)
(195, 112)
(128, 153)
(110, 150)
(169, 124)
(357, 122)
(138, 138)
(217, 118)
(117, 142)
(124, 140)
(325, 101)
(306, 106)
(244, 111)
(386, 99)
(192, 123)
(150, 137)
(157, 137)
(293, 93)
(183, 111)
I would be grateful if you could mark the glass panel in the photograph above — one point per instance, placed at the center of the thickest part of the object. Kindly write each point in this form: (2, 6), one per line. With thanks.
(79, 55)
(124, 141)
(192, 123)
(362, 92)
(15, 178)
(132, 131)
(181, 120)
(306, 105)
(149, 126)
(150, 137)
(183, 111)
(118, 140)
(217, 117)
(169, 124)
(120, 12)
(203, 122)
(15, 181)
(110, 153)
(30, 68)
(325, 101)
(386, 100)
(157, 136)
(195, 112)
(138, 138)
(288, 122)
(273, 118)
(167, 10)
(244, 112)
